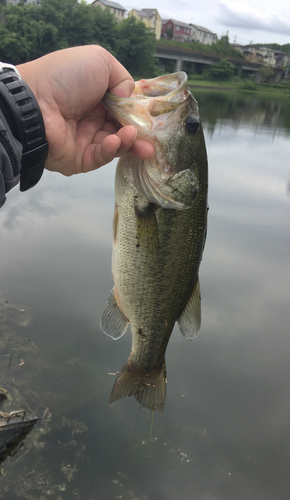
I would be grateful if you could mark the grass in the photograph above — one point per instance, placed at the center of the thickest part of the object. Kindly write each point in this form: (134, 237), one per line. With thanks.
(221, 48)
(208, 83)
(242, 85)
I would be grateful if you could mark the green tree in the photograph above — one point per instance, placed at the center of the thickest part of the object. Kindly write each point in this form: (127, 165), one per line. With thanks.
(79, 28)
(58, 13)
(136, 47)
(89, 24)
(265, 72)
(34, 36)
(30, 31)
(105, 26)
(14, 34)
(222, 70)
(13, 48)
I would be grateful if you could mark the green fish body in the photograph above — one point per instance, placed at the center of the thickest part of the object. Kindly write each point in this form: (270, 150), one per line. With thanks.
(159, 233)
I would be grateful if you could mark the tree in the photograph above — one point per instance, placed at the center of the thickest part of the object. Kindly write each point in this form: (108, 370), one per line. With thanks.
(136, 47)
(34, 35)
(265, 72)
(105, 25)
(31, 31)
(13, 48)
(80, 28)
(222, 70)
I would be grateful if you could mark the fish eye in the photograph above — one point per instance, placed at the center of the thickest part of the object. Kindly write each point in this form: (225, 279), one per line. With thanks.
(192, 124)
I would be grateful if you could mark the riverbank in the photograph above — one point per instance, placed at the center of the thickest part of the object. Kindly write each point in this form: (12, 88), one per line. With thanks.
(243, 85)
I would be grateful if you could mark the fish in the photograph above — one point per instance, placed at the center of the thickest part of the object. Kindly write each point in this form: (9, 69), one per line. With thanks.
(159, 232)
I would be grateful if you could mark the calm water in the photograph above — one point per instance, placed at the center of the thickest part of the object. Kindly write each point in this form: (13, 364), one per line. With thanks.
(225, 430)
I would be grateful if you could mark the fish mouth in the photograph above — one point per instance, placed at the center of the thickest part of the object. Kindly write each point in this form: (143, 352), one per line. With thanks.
(152, 98)
(168, 86)
(153, 108)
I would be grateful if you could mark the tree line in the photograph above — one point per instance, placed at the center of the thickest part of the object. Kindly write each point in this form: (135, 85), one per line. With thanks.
(31, 31)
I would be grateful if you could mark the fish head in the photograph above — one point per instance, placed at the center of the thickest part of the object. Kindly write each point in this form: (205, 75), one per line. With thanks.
(165, 113)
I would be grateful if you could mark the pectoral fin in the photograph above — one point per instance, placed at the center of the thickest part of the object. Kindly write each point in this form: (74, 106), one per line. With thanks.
(190, 319)
(113, 322)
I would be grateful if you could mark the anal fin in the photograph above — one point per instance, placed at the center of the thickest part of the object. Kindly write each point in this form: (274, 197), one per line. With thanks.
(190, 319)
(113, 322)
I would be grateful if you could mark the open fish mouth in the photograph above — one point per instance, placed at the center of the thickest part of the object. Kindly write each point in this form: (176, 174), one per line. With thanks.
(152, 97)
(158, 108)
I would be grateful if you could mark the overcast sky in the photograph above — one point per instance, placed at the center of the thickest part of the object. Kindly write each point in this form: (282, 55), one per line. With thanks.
(256, 21)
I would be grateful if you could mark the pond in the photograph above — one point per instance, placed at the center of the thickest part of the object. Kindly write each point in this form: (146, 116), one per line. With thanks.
(225, 430)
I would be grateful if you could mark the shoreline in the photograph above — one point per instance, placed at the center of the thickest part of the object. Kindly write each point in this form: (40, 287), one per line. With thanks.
(210, 87)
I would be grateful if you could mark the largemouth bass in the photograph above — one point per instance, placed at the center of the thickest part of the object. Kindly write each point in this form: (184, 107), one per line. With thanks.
(159, 231)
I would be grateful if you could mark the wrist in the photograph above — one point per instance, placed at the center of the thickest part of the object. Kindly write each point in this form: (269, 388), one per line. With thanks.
(24, 117)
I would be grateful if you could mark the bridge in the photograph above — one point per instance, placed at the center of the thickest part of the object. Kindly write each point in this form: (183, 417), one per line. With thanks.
(180, 54)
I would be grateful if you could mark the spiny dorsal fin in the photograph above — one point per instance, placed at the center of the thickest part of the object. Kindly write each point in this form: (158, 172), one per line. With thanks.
(113, 322)
(190, 319)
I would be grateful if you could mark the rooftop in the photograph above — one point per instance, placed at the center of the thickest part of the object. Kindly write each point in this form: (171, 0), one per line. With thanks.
(108, 3)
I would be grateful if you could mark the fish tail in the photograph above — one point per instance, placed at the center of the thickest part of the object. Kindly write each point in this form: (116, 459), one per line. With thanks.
(148, 389)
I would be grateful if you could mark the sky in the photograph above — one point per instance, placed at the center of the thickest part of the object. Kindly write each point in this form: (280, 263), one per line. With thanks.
(248, 21)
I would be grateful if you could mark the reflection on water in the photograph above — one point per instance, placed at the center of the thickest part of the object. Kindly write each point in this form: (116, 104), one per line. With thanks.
(246, 110)
(225, 430)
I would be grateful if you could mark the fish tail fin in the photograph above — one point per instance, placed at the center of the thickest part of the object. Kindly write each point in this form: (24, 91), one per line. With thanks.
(148, 389)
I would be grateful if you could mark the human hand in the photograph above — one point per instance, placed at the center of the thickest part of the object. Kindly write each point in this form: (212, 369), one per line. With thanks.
(69, 85)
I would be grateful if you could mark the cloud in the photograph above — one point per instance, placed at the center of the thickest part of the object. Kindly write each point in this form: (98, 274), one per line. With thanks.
(238, 15)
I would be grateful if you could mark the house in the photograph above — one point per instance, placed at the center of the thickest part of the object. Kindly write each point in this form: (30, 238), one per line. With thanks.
(175, 30)
(150, 17)
(115, 8)
(183, 32)
(202, 35)
(238, 47)
(260, 55)
(263, 55)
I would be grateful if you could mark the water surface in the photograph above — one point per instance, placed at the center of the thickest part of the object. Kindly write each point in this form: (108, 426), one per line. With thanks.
(225, 430)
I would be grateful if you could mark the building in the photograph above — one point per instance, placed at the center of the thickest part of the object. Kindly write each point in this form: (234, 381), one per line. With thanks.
(150, 17)
(265, 56)
(175, 30)
(238, 47)
(115, 8)
(202, 35)
(183, 32)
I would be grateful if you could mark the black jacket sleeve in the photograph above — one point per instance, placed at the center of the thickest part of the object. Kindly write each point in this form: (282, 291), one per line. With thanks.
(10, 159)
